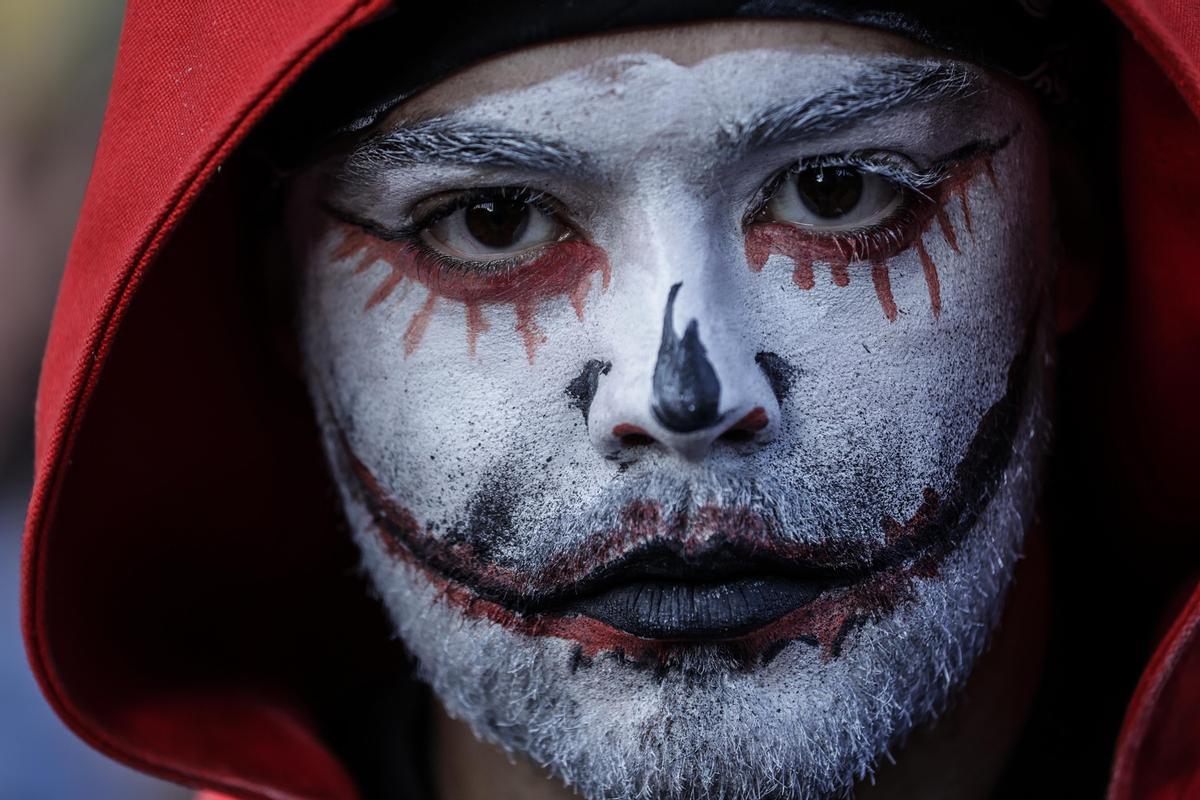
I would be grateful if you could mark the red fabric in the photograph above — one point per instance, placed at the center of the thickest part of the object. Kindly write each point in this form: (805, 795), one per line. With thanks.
(1158, 752)
(188, 603)
(191, 80)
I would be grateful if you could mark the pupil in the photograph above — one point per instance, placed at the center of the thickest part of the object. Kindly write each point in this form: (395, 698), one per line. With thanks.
(497, 223)
(830, 192)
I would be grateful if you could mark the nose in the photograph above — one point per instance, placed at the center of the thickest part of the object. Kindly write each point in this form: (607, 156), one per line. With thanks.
(697, 392)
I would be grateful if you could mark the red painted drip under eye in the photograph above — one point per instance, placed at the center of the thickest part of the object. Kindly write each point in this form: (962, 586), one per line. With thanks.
(989, 168)
(943, 220)
(562, 270)
(883, 290)
(966, 207)
(802, 275)
(932, 282)
(806, 248)
(802, 247)
(840, 272)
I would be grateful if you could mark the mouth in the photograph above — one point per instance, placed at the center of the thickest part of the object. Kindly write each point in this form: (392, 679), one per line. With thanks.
(695, 612)
(722, 593)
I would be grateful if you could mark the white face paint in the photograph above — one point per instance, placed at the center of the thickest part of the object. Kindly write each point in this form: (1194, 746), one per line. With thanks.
(740, 550)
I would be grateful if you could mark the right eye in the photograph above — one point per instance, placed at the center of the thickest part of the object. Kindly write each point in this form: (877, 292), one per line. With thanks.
(833, 198)
(493, 225)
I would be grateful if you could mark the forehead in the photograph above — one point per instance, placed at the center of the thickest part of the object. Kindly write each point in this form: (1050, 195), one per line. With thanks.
(689, 69)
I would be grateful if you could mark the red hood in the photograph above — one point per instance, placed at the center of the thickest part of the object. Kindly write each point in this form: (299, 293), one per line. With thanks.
(190, 609)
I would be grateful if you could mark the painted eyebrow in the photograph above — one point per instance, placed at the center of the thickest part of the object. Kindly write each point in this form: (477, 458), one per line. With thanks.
(445, 141)
(881, 89)
(884, 87)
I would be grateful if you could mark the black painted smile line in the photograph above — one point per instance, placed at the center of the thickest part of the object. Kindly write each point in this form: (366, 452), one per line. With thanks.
(704, 596)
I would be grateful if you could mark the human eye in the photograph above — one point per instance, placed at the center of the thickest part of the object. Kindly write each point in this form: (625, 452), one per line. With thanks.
(489, 229)
(863, 202)
(833, 197)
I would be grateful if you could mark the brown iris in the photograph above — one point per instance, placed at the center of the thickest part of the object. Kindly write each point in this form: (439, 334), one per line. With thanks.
(497, 223)
(830, 192)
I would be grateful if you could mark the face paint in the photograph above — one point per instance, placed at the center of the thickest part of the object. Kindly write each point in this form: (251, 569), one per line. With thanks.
(687, 391)
(563, 271)
(689, 442)
(805, 249)
(779, 372)
(582, 388)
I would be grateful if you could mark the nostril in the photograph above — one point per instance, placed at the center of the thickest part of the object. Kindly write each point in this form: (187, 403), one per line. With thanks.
(632, 435)
(745, 428)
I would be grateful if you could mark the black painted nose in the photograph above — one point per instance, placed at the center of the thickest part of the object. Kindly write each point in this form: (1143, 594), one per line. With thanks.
(686, 390)
(700, 389)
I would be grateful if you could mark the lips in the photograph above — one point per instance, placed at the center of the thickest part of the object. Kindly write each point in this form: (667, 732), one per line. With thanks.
(720, 593)
(687, 611)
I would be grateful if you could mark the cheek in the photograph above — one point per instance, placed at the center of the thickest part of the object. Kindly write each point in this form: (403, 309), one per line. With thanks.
(438, 380)
(899, 357)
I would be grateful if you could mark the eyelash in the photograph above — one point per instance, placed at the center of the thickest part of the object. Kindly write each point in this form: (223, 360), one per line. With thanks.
(914, 183)
(411, 232)
(538, 199)
(440, 260)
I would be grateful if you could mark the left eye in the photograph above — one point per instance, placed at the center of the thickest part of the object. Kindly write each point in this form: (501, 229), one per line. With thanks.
(493, 225)
(833, 198)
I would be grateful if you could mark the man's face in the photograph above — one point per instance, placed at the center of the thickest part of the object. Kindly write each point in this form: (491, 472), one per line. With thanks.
(684, 392)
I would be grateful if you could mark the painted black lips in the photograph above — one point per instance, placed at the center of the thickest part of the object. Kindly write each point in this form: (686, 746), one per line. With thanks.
(693, 611)
(724, 593)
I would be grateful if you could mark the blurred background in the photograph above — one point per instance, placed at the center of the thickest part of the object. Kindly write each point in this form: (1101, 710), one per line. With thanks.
(56, 59)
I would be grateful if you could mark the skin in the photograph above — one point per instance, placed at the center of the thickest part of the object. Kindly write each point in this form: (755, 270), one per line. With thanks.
(879, 411)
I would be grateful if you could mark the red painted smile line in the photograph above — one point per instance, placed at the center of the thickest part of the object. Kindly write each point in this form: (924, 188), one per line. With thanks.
(852, 583)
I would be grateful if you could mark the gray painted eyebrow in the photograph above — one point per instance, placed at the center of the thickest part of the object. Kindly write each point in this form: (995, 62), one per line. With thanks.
(881, 89)
(445, 141)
